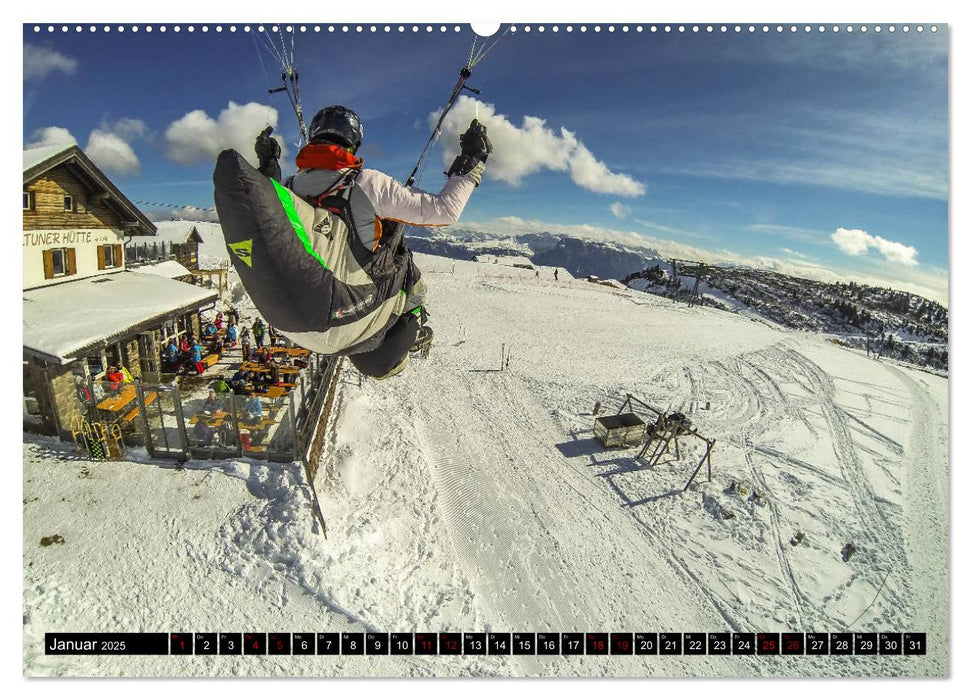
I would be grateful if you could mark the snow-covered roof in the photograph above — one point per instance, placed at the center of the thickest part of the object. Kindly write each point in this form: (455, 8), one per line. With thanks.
(62, 320)
(35, 156)
(177, 232)
(510, 260)
(167, 268)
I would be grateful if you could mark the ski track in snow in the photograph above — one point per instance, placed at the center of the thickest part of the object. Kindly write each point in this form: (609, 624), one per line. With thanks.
(927, 546)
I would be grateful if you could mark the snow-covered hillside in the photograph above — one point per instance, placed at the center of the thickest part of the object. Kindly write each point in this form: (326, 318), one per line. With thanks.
(464, 498)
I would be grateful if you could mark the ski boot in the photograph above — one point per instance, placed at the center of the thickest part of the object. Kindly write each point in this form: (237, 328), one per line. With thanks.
(423, 341)
(424, 338)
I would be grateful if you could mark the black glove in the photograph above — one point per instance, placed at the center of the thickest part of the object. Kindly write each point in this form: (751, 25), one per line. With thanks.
(268, 151)
(476, 148)
(475, 141)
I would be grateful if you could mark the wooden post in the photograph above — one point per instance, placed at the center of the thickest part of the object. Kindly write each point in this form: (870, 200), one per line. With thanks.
(626, 404)
(693, 474)
(705, 457)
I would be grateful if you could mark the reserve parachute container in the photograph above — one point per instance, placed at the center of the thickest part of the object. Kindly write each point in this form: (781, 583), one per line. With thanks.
(307, 273)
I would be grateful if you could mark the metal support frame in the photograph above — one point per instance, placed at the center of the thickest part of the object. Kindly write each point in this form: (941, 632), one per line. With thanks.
(664, 435)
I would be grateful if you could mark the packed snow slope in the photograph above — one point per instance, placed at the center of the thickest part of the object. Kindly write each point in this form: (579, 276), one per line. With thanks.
(463, 495)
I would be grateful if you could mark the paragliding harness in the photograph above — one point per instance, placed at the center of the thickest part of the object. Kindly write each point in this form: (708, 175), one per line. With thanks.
(305, 267)
(389, 252)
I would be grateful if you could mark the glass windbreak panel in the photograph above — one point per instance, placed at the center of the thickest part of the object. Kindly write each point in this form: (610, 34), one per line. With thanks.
(282, 440)
(298, 399)
(210, 422)
(255, 423)
(162, 414)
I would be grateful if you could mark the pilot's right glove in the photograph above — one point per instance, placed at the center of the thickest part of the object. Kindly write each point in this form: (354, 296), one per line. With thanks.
(476, 148)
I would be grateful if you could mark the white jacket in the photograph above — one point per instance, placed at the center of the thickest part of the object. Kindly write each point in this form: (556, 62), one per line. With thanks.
(392, 200)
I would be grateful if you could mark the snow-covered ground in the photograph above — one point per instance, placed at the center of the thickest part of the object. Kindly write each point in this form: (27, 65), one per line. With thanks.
(464, 498)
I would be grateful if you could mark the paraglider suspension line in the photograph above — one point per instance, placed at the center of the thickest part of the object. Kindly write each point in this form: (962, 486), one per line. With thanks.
(436, 132)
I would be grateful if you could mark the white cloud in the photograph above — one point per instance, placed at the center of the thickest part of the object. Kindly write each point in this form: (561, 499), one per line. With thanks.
(852, 241)
(39, 62)
(197, 137)
(51, 136)
(112, 153)
(620, 210)
(127, 128)
(109, 147)
(855, 241)
(520, 151)
(592, 174)
(187, 213)
(796, 254)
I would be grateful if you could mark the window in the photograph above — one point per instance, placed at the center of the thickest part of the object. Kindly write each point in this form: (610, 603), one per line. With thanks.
(96, 364)
(28, 201)
(68, 203)
(109, 256)
(59, 262)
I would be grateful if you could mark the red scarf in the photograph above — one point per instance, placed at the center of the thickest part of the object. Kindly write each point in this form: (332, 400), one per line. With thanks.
(326, 156)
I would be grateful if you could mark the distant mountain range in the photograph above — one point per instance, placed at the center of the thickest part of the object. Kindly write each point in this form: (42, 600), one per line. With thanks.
(893, 323)
(577, 256)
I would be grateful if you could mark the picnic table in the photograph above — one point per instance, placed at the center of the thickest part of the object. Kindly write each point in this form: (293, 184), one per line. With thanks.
(249, 424)
(273, 392)
(213, 420)
(119, 401)
(292, 352)
(256, 367)
(123, 398)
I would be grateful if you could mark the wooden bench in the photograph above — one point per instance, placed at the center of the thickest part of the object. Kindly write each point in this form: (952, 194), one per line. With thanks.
(210, 360)
(264, 423)
(135, 411)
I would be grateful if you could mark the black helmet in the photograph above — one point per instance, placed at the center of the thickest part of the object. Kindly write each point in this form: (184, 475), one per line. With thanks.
(338, 125)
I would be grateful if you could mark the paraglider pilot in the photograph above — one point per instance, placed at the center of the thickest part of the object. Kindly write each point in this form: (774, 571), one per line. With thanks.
(373, 206)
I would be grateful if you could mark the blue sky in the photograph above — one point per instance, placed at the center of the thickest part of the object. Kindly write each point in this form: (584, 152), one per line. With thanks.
(823, 154)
